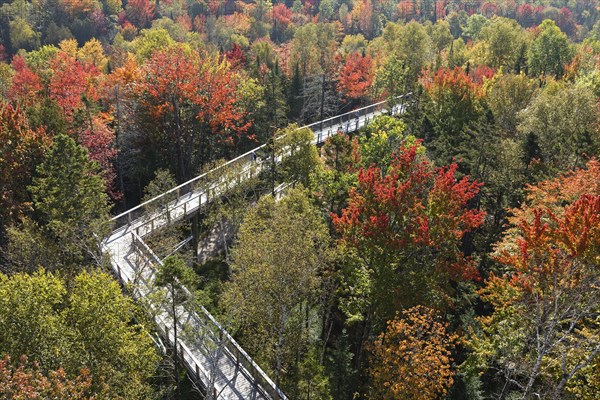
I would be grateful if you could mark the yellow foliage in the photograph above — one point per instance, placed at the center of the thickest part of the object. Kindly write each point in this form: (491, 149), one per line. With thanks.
(412, 358)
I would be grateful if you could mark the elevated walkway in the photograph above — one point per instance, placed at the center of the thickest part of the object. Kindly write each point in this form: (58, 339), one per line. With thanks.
(212, 357)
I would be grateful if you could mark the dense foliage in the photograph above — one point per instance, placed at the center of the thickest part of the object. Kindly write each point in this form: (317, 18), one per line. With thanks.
(450, 251)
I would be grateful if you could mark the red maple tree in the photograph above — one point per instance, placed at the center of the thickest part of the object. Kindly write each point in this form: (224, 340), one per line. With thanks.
(26, 84)
(184, 92)
(99, 139)
(356, 76)
(71, 81)
(413, 208)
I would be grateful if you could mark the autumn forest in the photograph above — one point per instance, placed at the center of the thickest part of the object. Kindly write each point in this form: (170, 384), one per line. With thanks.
(441, 240)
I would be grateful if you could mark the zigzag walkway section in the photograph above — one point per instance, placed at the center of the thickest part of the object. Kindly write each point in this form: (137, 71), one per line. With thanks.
(213, 359)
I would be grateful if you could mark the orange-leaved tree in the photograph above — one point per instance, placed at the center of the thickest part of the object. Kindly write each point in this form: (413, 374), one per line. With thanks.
(412, 358)
(192, 102)
(72, 83)
(543, 338)
(356, 76)
(26, 381)
(26, 84)
(21, 150)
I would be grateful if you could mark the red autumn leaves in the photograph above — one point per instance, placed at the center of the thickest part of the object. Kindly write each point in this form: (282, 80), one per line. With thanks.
(413, 207)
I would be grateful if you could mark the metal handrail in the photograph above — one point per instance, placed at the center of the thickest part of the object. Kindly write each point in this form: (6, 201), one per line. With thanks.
(234, 348)
(249, 154)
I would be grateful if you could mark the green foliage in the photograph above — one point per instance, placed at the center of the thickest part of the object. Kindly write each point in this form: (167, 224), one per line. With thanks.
(313, 382)
(565, 120)
(393, 78)
(440, 34)
(550, 51)
(301, 157)
(70, 201)
(508, 94)
(475, 24)
(380, 140)
(164, 240)
(88, 324)
(30, 311)
(276, 266)
(175, 276)
(151, 40)
(22, 35)
(163, 181)
(457, 54)
(29, 248)
(503, 37)
(411, 43)
(331, 182)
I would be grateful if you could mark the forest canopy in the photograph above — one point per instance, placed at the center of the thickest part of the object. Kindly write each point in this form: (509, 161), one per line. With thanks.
(449, 248)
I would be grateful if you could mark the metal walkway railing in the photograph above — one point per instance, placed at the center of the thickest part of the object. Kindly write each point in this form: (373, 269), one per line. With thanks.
(229, 372)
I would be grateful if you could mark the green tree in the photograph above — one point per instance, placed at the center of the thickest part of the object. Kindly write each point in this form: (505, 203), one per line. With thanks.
(330, 183)
(441, 37)
(119, 353)
(299, 155)
(565, 120)
(22, 35)
(503, 38)
(411, 43)
(506, 97)
(393, 78)
(30, 314)
(475, 24)
(381, 138)
(174, 277)
(276, 278)
(550, 51)
(68, 195)
(90, 325)
(150, 40)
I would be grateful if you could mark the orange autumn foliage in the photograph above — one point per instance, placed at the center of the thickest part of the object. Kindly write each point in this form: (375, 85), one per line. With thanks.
(412, 358)
(556, 231)
(549, 293)
(26, 84)
(71, 82)
(21, 150)
(27, 381)
(356, 76)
